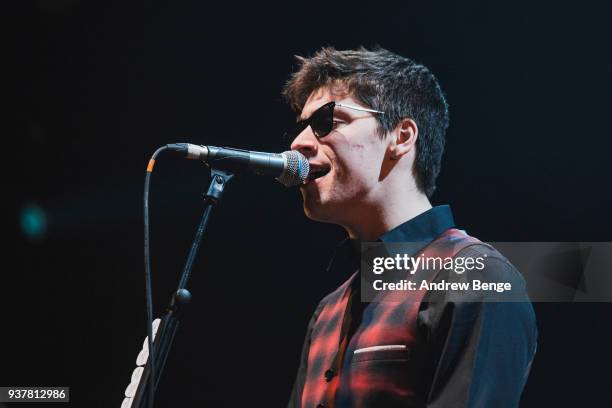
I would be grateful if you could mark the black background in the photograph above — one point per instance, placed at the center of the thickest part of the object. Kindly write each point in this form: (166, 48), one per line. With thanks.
(100, 85)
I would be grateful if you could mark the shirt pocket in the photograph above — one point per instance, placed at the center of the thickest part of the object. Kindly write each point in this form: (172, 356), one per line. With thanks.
(379, 376)
(387, 352)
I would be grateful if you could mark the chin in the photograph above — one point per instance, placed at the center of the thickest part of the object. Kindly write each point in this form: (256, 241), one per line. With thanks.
(323, 203)
(320, 211)
(314, 212)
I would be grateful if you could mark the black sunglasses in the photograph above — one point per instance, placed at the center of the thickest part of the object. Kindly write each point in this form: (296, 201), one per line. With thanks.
(322, 120)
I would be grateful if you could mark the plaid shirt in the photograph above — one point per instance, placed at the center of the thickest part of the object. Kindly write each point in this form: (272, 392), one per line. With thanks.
(389, 367)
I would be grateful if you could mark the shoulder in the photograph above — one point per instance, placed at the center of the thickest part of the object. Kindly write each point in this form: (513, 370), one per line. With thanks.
(491, 298)
(491, 265)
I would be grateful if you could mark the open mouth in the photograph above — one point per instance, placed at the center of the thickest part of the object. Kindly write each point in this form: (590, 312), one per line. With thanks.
(317, 171)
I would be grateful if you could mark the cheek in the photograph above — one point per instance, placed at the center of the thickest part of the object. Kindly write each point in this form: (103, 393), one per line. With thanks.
(357, 175)
(361, 163)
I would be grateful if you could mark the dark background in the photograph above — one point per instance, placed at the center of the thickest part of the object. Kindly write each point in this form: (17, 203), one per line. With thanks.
(100, 85)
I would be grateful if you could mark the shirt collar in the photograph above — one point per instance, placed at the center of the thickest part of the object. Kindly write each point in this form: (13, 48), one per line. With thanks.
(423, 228)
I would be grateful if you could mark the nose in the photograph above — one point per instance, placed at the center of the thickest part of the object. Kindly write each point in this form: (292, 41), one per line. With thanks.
(306, 143)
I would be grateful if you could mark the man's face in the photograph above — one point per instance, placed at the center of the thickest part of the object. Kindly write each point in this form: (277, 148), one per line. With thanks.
(353, 153)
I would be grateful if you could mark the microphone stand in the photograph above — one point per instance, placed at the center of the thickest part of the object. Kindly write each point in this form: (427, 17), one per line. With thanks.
(169, 323)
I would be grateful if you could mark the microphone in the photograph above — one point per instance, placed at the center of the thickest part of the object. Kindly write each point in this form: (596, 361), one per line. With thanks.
(290, 168)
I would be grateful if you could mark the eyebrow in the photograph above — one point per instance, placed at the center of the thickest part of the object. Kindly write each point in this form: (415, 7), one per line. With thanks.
(337, 113)
(342, 113)
(301, 118)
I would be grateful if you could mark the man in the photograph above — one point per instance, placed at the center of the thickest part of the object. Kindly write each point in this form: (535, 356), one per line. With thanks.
(372, 125)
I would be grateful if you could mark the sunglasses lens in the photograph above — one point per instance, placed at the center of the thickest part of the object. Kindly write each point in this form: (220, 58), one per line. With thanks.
(322, 120)
(295, 131)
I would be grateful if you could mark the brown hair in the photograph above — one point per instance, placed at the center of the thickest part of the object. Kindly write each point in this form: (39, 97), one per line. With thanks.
(384, 81)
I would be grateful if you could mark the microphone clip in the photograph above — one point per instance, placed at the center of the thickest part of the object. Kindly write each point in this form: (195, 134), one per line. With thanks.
(219, 179)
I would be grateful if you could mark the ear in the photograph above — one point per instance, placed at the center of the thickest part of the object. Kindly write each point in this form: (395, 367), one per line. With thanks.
(404, 138)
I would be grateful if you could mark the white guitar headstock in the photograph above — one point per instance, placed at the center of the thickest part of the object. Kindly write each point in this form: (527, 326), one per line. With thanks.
(141, 360)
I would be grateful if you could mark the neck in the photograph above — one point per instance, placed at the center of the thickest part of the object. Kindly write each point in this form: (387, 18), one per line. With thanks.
(371, 220)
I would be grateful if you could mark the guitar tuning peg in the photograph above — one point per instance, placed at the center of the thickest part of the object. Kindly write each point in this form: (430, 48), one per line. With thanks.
(155, 326)
(130, 391)
(137, 374)
(142, 357)
(145, 343)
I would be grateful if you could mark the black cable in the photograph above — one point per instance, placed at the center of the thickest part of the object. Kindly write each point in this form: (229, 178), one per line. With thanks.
(148, 285)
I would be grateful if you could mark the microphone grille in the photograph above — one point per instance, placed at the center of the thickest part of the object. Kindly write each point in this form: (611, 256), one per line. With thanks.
(296, 171)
